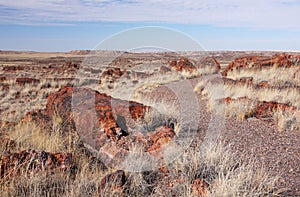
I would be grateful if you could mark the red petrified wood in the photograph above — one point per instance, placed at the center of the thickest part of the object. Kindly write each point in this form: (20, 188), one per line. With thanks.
(258, 62)
(183, 64)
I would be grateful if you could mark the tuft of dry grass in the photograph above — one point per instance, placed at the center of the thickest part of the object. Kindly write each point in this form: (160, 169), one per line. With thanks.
(29, 135)
(287, 119)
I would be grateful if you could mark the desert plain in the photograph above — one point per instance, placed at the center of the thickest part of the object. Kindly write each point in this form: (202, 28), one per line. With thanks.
(113, 123)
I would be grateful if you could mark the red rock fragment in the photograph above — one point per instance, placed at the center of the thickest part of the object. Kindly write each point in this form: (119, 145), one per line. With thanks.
(38, 116)
(228, 100)
(258, 62)
(115, 72)
(111, 74)
(111, 114)
(183, 64)
(265, 109)
(264, 84)
(161, 137)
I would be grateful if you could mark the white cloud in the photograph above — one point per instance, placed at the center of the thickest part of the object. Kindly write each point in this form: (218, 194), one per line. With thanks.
(277, 14)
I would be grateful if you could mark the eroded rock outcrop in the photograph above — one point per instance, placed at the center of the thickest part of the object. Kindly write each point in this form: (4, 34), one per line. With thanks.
(261, 109)
(113, 72)
(161, 137)
(265, 109)
(183, 64)
(104, 123)
(258, 62)
(110, 75)
(92, 110)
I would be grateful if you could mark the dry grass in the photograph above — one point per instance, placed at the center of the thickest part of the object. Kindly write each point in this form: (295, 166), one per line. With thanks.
(212, 162)
(82, 182)
(204, 70)
(226, 175)
(287, 119)
(161, 109)
(289, 96)
(20, 99)
(214, 92)
(240, 109)
(56, 138)
(274, 75)
(53, 138)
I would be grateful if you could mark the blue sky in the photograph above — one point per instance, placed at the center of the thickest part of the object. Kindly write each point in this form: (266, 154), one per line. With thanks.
(61, 25)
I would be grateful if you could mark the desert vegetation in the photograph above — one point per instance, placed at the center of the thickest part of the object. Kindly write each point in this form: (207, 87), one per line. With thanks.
(69, 128)
(252, 85)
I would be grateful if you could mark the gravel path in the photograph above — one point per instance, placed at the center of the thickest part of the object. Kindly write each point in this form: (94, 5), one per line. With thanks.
(276, 151)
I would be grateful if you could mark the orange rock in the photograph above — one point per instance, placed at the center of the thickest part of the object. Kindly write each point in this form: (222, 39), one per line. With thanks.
(115, 72)
(161, 137)
(258, 62)
(265, 109)
(263, 84)
(228, 100)
(111, 114)
(183, 64)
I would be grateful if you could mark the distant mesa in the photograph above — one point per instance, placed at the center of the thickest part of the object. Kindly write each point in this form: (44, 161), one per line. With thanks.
(80, 52)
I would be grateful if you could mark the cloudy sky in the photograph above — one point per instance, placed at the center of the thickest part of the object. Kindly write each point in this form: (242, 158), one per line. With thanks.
(61, 25)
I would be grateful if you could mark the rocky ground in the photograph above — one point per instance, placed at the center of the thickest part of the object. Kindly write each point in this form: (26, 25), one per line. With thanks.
(101, 123)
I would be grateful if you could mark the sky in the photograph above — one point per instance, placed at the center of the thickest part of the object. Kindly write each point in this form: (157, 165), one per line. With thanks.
(64, 25)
